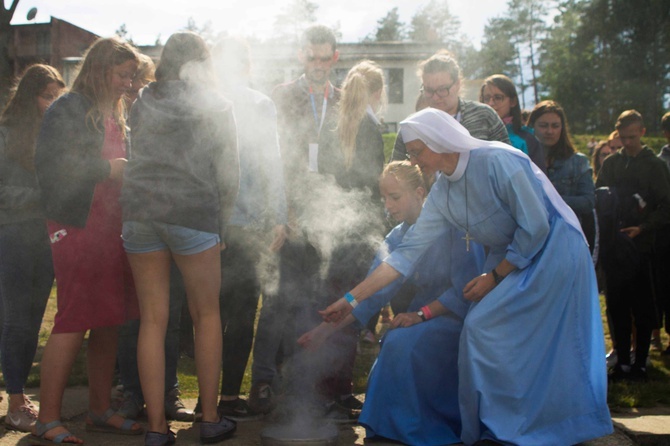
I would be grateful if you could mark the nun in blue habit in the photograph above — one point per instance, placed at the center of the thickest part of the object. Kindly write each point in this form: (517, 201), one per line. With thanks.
(531, 368)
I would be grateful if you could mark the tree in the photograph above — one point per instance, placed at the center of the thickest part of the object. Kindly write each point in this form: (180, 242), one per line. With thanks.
(571, 68)
(434, 23)
(205, 31)
(606, 56)
(498, 54)
(528, 18)
(122, 33)
(6, 15)
(389, 28)
(294, 18)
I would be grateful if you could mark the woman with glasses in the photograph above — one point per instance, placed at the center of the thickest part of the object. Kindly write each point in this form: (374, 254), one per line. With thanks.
(441, 85)
(499, 92)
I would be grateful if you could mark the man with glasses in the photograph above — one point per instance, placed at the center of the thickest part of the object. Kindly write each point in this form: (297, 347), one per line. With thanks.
(441, 78)
(303, 106)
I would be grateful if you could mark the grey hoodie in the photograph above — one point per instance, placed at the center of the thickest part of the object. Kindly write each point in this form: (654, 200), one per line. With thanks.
(183, 167)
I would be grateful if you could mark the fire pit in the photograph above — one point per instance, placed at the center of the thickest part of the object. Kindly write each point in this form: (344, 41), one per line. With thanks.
(289, 435)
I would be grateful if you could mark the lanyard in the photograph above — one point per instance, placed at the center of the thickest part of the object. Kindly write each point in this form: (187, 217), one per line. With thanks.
(323, 109)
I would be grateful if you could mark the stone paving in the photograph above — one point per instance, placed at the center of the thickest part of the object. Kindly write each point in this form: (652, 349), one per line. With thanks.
(643, 427)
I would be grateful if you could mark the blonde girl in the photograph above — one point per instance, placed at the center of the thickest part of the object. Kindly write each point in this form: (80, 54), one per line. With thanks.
(353, 152)
(79, 161)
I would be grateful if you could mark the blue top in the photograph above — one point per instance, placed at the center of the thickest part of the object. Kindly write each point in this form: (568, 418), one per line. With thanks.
(436, 275)
(526, 141)
(573, 180)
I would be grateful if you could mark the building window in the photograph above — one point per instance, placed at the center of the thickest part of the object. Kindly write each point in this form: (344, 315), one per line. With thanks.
(394, 84)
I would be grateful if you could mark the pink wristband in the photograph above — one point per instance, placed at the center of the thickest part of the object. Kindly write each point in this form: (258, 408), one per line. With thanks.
(427, 312)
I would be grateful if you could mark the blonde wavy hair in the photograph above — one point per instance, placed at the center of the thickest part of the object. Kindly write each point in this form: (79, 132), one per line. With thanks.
(93, 80)
(364, 80)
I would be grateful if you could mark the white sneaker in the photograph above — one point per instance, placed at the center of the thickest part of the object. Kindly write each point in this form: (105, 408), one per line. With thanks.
(611, 359)
(23, 419)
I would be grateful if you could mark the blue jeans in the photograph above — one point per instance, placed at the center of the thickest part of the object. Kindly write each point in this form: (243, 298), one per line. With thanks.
(26, 278)
(127, 350)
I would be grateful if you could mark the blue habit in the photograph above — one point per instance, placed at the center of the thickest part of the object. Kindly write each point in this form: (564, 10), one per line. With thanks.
(531, 359)
(412, 393)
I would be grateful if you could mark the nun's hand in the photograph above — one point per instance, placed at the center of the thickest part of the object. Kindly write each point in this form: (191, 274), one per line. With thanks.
(477, 288)
(314, 338)
(406, 320)
(336, 311)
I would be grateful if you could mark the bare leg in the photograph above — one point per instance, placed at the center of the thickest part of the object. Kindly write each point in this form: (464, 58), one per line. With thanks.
(151, 272)
(101, 356)
(59, 355)
(202, 279)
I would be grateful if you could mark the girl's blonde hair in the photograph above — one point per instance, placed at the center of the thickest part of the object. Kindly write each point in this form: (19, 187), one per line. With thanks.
(363, 80)
(410, 177)
(93, 79)
(22, 117)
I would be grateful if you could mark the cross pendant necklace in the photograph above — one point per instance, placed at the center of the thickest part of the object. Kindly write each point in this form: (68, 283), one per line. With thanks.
(467, 237)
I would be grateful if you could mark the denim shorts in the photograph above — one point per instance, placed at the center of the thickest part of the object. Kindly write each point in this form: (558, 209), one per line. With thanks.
(140, 237)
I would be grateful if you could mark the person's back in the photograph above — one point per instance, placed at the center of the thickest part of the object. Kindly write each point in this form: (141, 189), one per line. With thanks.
(177, 136)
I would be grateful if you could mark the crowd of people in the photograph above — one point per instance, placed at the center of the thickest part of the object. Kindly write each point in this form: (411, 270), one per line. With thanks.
(146, 188)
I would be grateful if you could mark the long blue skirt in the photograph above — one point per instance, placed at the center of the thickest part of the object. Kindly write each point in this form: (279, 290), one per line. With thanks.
(412, 394)
(532, 365)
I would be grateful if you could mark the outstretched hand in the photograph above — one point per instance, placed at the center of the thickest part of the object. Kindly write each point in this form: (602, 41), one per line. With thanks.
(315, 338)
(336, 311)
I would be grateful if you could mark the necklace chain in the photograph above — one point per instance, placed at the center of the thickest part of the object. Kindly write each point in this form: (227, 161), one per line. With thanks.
(467, 237)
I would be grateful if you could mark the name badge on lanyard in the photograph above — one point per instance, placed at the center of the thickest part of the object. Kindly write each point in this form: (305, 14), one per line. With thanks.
(313, 160)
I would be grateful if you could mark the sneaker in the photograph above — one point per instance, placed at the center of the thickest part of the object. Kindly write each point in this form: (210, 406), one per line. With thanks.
(260, 398)
(638, 374)
(157, 439)
(237, 410)
(619, 373)
(612, 358)
(174, 407)
(338, 415)
(22, 419)
(349, 402)
(214, 432)
(130, 408)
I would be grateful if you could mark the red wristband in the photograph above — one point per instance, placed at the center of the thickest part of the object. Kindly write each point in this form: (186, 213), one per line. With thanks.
(427, 312)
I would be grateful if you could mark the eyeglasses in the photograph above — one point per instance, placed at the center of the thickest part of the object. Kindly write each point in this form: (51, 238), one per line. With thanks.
(441, 92)
(320, 59)
(414, 155)
(497, 98)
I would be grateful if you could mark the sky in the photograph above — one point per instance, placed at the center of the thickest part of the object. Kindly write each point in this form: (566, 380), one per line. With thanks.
(145, 20)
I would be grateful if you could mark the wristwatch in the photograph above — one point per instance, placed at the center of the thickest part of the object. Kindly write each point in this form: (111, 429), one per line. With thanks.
(421, 315)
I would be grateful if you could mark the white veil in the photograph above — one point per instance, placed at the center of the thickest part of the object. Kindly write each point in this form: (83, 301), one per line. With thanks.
(444, 134)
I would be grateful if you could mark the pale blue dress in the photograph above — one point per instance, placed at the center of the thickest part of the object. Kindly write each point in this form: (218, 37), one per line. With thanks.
(531, 361)
(412, 393)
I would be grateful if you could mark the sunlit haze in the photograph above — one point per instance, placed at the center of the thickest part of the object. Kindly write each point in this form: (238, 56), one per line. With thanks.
(146, 20)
